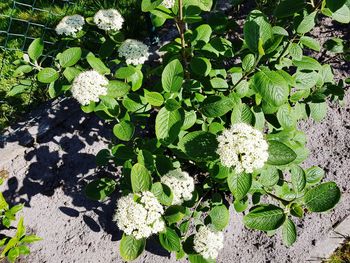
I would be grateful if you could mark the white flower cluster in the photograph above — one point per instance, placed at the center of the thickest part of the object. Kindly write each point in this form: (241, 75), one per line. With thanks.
(88, 86)
(70, 25)
(208, 242)
(134, 52)
(168, 3)
(242, 147)
(181, 185)
(109, 19)
(140, 218)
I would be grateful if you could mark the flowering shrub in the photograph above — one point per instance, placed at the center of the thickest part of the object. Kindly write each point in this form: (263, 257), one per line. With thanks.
(200, 131)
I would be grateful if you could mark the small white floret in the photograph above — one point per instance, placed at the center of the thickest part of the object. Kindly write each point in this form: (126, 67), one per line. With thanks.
(88, 86)
(180, 184)
(243, 148)
(140, 215)
(70, 25)
(134, 52)
(208, 243)
(109, 19)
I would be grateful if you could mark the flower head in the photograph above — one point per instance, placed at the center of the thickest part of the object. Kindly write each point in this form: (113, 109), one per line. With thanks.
(109, 19)
(140, 217)
(168, 3)
(181, 185)
(134, 51)
(242, 147)
(70, 25)
(88, 86)
(208, 242)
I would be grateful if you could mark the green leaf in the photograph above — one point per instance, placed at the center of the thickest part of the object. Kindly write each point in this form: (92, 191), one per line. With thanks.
(31, 239)
(124, 130)
(22, 69)
(219, 83)
(322, 197)
(335, 5)
(173, 76)
(174, 214)
(24, 250)
(297, 210)
(298, 177)
(342, 15)
(310, 43)
(264, 217)
(295, 51)
(197, 258)
(307, 23)
(204, 5)
(163, 193)
(248, 62)
(125, 72)
(168, 125)
(219, 217)
(314, 174)
(289, 233)
(190, 119)
(13, 254)
(201, 66)
(272, 87)
(3, 204)
(69, 57)
(239, 184)
(307, 63)
(117, 89)
(251, 35)
(100, 188)
(70, 73)
(47, 75)
(170, 240)
(199, 146)
(216, 106)
(36, 48)
(21, 230)
(97, 64)
(318, 111)
(286, 117)
(18, 89)
(280, 154)
(140, 178)
(288, 8)
(257, 32)
(131, 248)
(269, 176)
(201, 34)
(154, 98)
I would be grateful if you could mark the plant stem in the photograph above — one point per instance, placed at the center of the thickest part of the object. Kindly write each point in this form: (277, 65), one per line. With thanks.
(194, 210)
(246, 74)
(286, 48)
(278, 198)
(180, 24)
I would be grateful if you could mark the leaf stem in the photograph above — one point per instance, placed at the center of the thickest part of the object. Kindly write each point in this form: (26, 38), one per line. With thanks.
(181, 27)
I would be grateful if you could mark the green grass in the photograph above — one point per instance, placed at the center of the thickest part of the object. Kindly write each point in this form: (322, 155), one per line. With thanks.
(341, 255)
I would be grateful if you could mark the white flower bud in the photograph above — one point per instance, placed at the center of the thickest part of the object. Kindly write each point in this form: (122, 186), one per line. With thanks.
(88, 86)
(243, 148)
